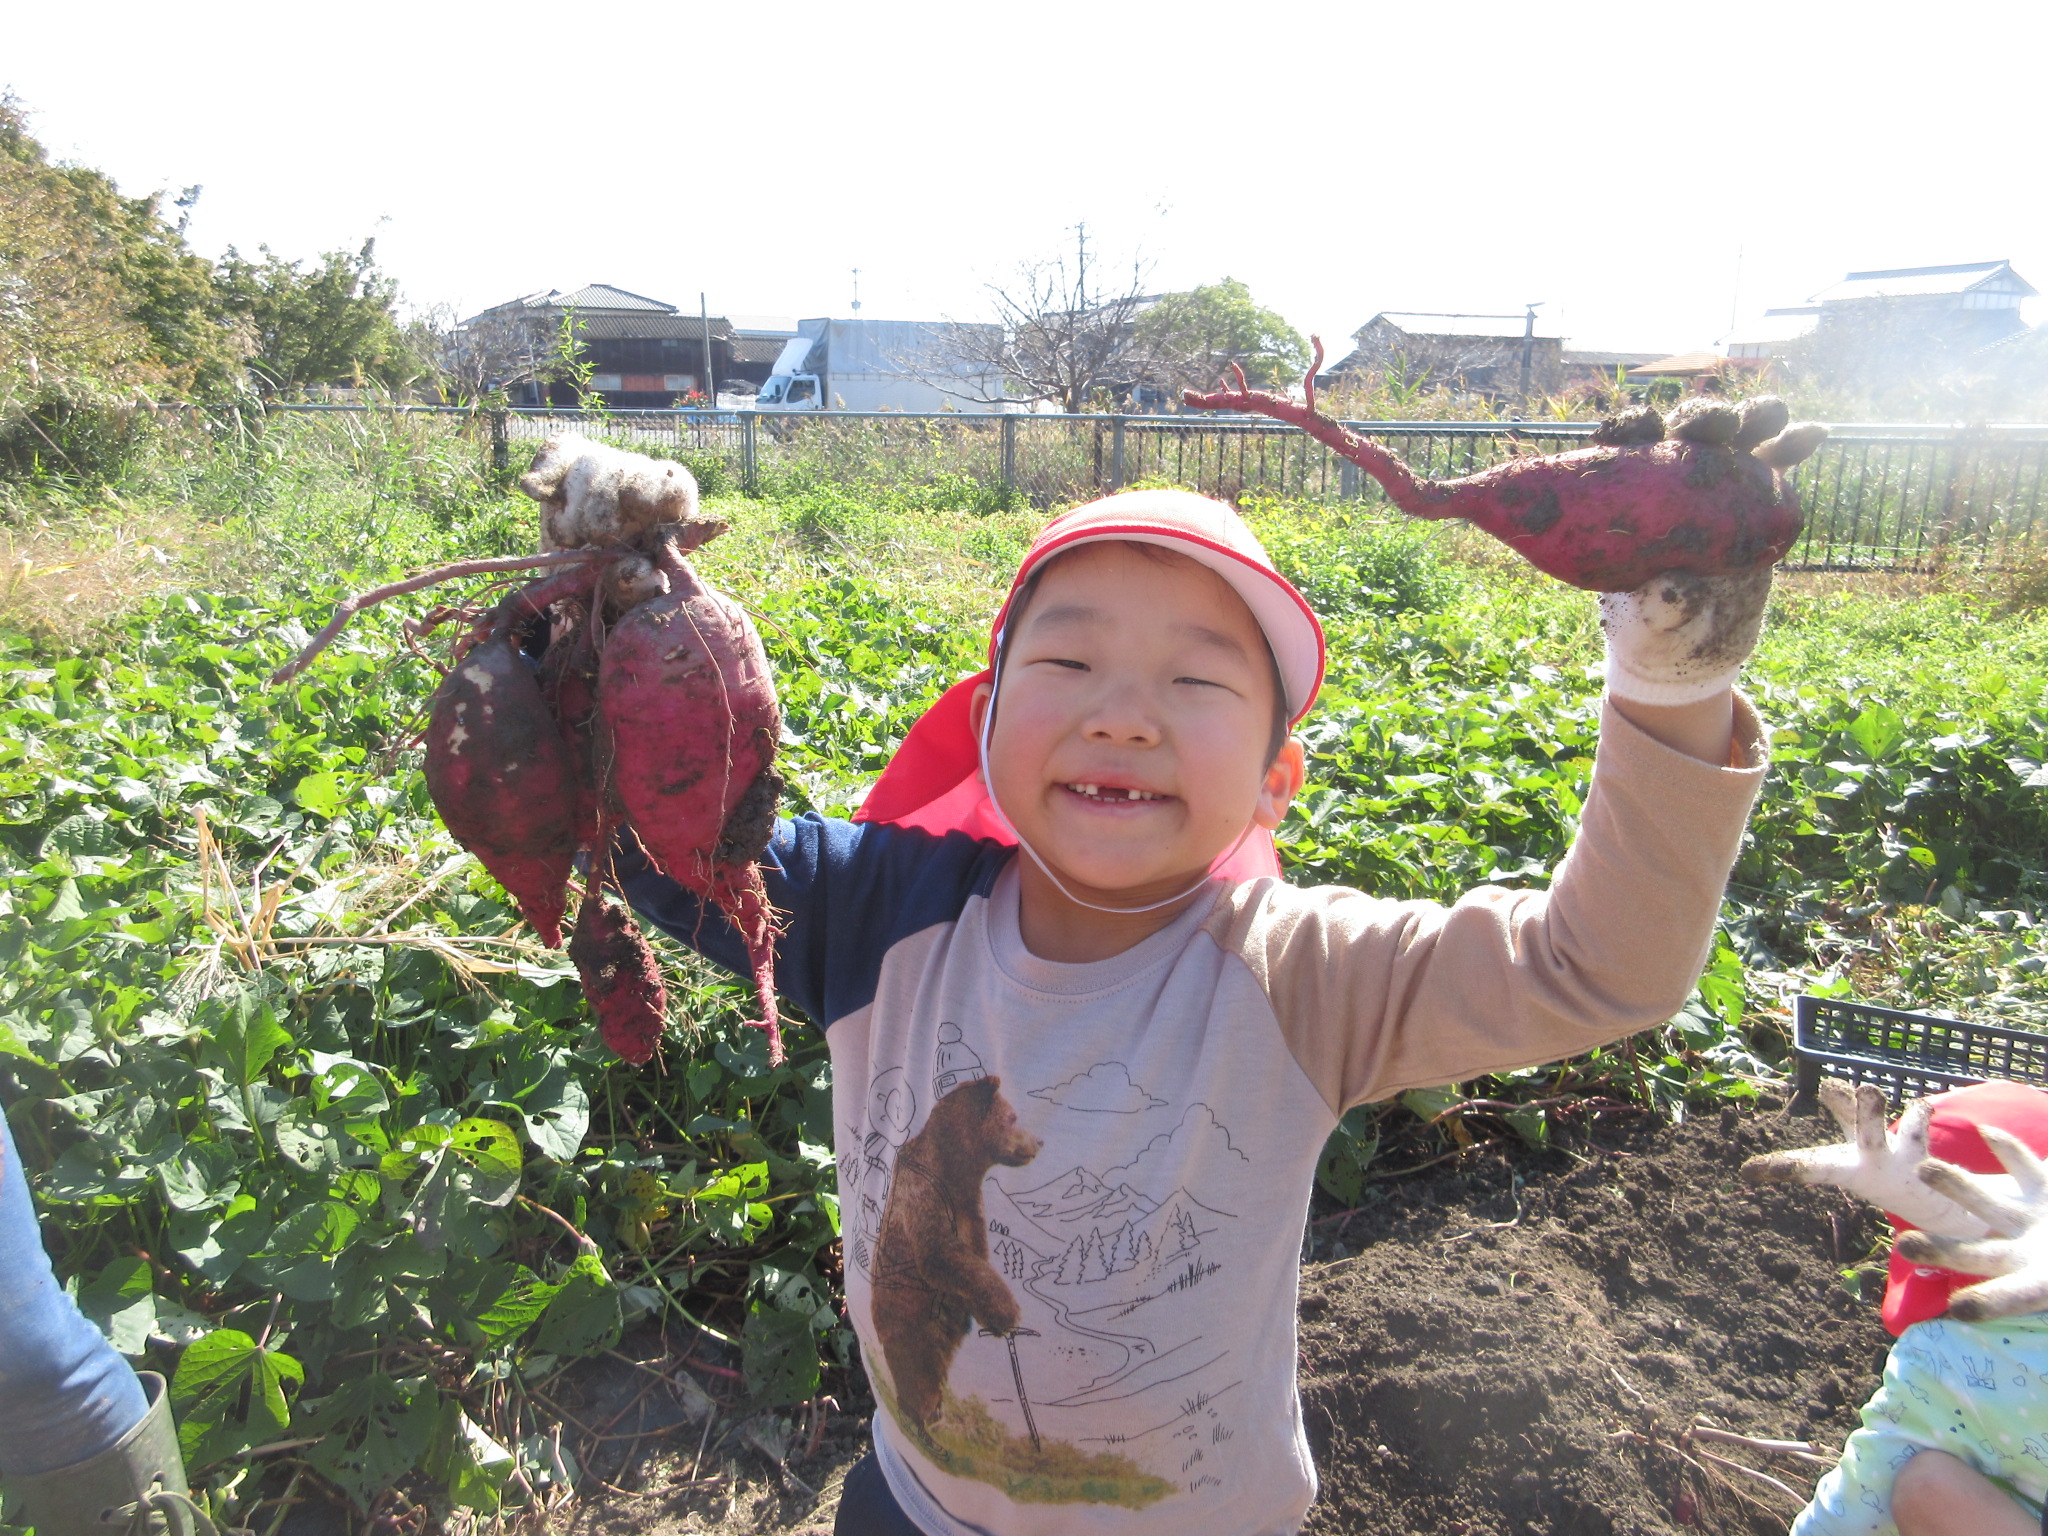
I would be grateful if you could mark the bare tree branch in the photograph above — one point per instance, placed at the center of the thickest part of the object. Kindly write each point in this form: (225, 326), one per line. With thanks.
(1062, 339)
(493, 351)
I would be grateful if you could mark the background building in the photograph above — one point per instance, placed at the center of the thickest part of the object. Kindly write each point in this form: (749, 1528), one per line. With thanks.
(1903, 310)
(644, 354)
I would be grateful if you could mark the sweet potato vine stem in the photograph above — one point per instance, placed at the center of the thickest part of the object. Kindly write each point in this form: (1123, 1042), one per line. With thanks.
(349, 607)
(1415, 497)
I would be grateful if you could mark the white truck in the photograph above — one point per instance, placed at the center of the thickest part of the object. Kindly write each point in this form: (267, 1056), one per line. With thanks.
(884, 365)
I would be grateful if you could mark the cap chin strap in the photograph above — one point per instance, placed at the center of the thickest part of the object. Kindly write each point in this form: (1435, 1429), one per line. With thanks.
(988, 723)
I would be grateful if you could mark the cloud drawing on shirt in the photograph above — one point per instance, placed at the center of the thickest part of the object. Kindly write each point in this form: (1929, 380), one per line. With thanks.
(1105, 1088)
(1199, 1140)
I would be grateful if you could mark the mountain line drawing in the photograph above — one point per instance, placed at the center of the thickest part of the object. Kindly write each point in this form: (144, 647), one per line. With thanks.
(1077, 1229)
(1077, 1198)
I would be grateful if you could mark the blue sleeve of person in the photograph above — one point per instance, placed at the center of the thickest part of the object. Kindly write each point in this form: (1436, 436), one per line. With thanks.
(844, 894)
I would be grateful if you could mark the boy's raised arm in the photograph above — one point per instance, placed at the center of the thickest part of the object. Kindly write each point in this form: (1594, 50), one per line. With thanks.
(1375, 996)
(1378, 996)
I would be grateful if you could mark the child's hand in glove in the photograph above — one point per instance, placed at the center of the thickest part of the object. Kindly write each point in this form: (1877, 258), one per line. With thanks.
(1879, 1165)
(2015, 1210)
(1680, 638)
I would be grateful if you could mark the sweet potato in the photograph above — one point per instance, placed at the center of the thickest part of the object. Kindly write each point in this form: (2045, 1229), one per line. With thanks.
(620, 977)
(568, 681)
(502, 777)
(691, 723)
(1709, 500)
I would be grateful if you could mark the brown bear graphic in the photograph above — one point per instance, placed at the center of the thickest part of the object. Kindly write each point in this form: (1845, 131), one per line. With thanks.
(931, 1269)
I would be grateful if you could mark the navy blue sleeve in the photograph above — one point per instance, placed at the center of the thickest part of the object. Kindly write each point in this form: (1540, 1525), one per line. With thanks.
(845, 892)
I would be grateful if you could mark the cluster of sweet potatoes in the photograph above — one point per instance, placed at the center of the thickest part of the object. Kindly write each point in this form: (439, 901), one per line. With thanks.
(616, 697)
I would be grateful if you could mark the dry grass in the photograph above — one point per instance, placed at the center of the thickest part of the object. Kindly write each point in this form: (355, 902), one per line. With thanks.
(69, 586)
(1894, 585)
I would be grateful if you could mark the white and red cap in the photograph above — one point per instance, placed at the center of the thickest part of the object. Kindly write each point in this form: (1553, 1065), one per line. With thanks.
(934, 780)
(1915, 1292)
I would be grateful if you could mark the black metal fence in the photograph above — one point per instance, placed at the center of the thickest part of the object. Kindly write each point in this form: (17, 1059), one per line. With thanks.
(1877, 497)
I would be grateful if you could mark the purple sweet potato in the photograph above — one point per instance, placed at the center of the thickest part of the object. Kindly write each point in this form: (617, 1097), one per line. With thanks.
(1709, 500)
(620, 977)
(568, 681)
(502, 777)
(692, 722)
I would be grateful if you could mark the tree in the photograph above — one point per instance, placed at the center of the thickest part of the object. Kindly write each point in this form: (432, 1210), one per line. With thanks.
(492, 351)
(1067, 337)
(97, 289)
(1065, 334)
(101, 304)
(333, 323)
(65, 321)
(1187, 340)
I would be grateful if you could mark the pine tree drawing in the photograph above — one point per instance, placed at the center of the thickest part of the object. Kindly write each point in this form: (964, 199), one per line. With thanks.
(1116, 1251)
(1070, 1265)
(1098, 1256)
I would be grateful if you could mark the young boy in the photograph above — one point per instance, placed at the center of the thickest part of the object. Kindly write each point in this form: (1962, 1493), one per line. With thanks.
(1080, 1089)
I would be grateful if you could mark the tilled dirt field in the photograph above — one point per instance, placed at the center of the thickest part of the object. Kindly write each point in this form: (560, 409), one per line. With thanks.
(1509, 1343)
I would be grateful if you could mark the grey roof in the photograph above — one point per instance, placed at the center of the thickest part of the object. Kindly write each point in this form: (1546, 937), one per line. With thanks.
(1495, 327)
(757, 349)
(1914, 282)
(1777, 325)
(591, 298)
(2025, 336)
(605, 296)
(601, 326)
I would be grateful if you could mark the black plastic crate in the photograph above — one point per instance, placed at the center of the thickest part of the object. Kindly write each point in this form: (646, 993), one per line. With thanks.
(1905, 1054)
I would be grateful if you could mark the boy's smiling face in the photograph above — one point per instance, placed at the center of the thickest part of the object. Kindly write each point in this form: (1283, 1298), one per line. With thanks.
(1133, 739)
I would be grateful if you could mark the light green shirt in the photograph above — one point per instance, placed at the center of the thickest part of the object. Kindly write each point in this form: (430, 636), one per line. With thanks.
(1976, 1390)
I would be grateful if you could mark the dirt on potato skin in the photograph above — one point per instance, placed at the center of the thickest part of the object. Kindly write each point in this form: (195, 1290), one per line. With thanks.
(1475, 1335)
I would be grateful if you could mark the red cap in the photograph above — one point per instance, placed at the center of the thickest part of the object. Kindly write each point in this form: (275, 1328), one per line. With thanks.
(1915, 1292)
(934, 780)
(1210, 531)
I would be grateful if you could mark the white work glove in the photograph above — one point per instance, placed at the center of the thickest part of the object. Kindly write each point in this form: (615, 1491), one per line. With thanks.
(1876, 1164)
(1680, 637)
(2016, 1211)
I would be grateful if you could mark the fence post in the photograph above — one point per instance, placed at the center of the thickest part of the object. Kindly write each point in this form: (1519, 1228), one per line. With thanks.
(1955, 507)
(501, 449)
(1116, 454)
(749, 463)
(1009, 453)
(1347, 480)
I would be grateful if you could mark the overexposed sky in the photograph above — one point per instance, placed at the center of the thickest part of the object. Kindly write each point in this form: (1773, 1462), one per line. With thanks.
(1620, 161)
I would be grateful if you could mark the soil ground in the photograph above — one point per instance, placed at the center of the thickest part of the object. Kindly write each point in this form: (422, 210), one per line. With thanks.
(1506, 1343)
